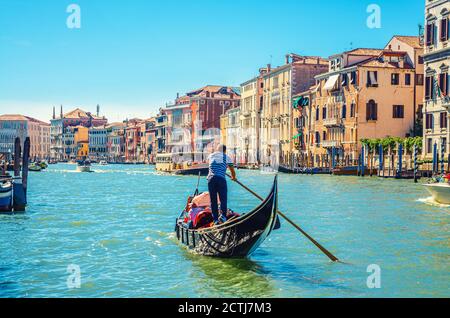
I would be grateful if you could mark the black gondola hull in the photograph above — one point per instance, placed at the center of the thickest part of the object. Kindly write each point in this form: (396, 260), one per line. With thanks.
(236, 238)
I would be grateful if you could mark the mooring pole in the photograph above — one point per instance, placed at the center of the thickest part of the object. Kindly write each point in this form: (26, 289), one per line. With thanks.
(416, 164)
(17, 156)
(25, 161)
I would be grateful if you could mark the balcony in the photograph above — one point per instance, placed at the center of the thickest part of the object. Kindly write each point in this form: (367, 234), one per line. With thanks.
(331, 144)
(332, 122)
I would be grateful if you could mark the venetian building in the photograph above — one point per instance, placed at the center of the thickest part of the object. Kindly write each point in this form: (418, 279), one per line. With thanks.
(437, 62)
(280, 85)
(367, 93)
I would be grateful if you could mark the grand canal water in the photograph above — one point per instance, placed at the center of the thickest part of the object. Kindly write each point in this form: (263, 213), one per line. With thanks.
(116, 225)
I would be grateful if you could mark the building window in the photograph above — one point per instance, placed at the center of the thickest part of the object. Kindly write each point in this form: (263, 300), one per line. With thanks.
(344, 80)
(398, 111)
(344, 111)
(444, 29)
(371, 110)
(324, 113)
(419, 79)
(429, 87)
(317, 113)
(353, 78)
(407, 79)
(372, 79)
(430, 34)
(324, 136)
(395, 79)
(443, 120)
(429, 121)
(443, 85)
(317, 138)
(421, 61)
(420, 112)
(429, 145)
(352, 110)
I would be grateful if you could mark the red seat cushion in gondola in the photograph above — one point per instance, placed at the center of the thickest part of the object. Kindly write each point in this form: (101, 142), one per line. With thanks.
(203, 219)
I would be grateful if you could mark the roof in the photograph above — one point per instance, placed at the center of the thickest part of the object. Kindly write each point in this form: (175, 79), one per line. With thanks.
(213, 89)
(413, 41)
(365, 51)
(378, 62)
(17, 117)
(76, 113)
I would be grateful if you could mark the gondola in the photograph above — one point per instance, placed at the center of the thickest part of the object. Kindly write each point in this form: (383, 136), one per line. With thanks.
(236, 238)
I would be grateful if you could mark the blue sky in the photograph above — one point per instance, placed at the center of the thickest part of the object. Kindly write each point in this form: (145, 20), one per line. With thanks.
(133, 56)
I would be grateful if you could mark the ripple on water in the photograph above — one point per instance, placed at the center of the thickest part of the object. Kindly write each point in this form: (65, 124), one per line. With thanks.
(117, 225)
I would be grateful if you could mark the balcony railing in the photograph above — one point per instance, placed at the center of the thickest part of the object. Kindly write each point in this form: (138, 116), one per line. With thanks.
(331, 144)
(332, 122)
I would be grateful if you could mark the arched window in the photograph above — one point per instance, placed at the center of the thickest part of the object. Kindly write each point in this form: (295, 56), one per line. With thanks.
(344, 111)
(371, 110)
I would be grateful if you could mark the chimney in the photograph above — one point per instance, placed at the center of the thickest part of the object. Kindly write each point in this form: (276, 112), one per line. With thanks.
(269, 68)
(54, 113)
(61, 114)
(178, 95)
(98, 110)
(287, 58)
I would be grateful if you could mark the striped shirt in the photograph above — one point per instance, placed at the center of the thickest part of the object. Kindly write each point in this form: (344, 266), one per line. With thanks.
(218, 163)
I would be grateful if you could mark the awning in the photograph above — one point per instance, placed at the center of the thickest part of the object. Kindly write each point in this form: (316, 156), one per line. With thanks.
(301, 101)
(331, 82)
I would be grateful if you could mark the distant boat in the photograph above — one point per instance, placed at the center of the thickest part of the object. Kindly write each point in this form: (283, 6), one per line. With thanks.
(194, 170)
(6, 195)
(43, 164)
(84, 166)
(34, 167)
(440, 192)
(103, 163)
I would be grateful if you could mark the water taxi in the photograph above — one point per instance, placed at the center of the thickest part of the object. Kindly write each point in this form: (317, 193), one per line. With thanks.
(34, 167)
(84, 166)
(182, 163)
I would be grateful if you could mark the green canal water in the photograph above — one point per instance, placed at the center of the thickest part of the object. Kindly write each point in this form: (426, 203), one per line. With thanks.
(116, 224)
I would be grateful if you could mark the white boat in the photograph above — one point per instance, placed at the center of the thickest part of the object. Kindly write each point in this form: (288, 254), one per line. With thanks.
(84, 167)
(439, 191)
(103, 163)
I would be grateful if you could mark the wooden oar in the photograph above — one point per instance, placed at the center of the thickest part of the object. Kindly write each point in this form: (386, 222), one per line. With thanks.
(323, 249)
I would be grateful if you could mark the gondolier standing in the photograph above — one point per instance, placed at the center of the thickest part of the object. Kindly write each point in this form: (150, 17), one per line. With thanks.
(217, 183)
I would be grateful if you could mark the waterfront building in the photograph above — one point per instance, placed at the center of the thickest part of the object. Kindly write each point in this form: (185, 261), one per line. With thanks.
(437, 63)
(98, 143)
(223, 128)
(74, 118)
(160, 132)
(116, 142)
(81, 141)
(151, 141)
(250, 121)
(279, 87)
(13, 126)
(133, 134)
(367, 93)
(193, 121)
(233, 129)
(207, 105)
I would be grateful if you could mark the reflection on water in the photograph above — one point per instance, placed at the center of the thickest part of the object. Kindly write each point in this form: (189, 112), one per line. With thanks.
(117, 225)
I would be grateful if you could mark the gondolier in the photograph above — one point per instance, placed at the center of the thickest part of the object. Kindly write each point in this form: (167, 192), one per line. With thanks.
(217, 183)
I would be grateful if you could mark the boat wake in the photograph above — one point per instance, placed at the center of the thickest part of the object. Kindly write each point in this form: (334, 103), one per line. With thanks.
(432, 202)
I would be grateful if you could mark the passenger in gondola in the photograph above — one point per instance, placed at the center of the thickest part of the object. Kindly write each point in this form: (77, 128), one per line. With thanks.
(219, 162)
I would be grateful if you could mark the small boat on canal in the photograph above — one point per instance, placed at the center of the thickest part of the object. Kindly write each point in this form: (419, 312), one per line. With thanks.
(84, 166)
(6, 194)
(194, 170)
(182, 164)
(236, 238)
(103, 163)
(440, 191)
(34, 167)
